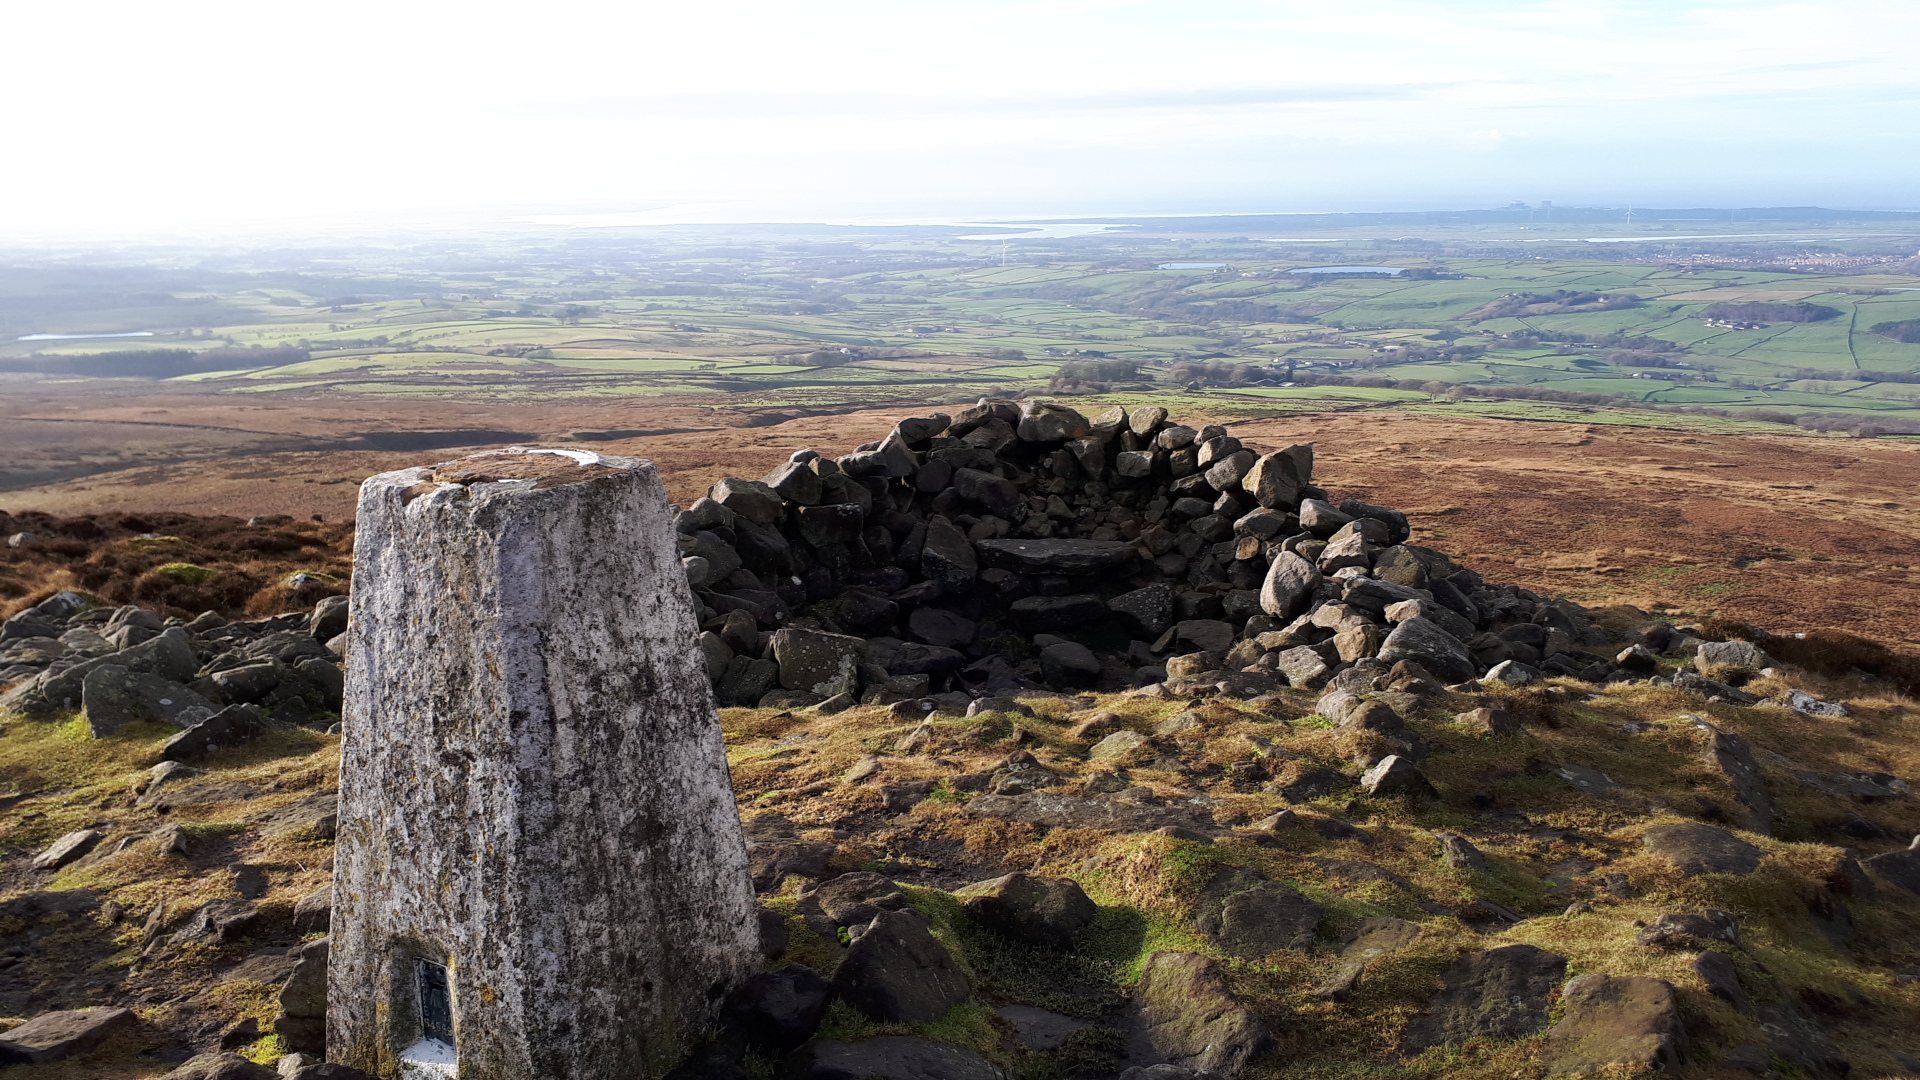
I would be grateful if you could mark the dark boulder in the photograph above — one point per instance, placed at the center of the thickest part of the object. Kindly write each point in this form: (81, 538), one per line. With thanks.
(896, 972)
(1039, 910)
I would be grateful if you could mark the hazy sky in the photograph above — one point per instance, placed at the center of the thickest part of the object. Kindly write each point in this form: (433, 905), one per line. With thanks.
(194, 115)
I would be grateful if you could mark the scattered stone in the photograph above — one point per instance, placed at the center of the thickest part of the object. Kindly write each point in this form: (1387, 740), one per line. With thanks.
(1425, 643)
(1458, 852)
(1615, 1022)
(57, 1036)
(1717, 970)
(1395, 775)
(1500, 993)
(1702, 849)
(1183, 1014)
(229, 727)
(1042, 911)
(1512, 673)
(67, 849)
(314, 912)
(897, 973)
(1729, 755)
(1488, 721)
(1691, 930)
(1730, 656)
(1585, 779)
(1802, 702)
(218, 922)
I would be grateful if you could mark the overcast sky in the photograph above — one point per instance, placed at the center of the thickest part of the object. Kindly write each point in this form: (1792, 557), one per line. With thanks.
(155, 117)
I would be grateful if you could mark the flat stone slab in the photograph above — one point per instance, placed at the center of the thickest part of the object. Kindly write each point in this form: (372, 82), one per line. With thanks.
(1038, 1029)
(1702, 849)
(1615, 1022)
(57, 1036)
(1055, 556)
(1501, 993)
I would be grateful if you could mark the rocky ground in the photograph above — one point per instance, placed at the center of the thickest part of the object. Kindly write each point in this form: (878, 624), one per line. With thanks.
(1540, 838)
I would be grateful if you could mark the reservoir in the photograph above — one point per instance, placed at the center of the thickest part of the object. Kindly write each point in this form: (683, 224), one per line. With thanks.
(1388, 271)
(76, 337)
(1189, 266)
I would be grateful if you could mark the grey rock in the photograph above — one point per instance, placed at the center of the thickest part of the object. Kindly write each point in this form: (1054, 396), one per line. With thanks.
(1458, 852)
(1691, 930)
(1289, 586)
(1730, 756)
(113, 697)
(1731, 655)
(795, 482)
(1426, 644)
(938, 626)
(1900, 868)
(218, 922)
(1043, 911)
(250, 682)
(1037, 614)
(1717, 970)
(849, 900)
(1499, 993)
(67, 849)
(946, 556)
(994, 494)
(1250, 916)
(1702, 849)
(1512, 673)
(1045, 421)
(1146, 611)
(301, 1021)
(749, 499)
(1303, 667)
(1069, 663)
(896, 972)
(817, 662)
(747, 680)
(835, 523)
(57, 1036)
(1395, 775)
(1038, 1029)
(231, 726)
(1613, 1022)
(314, 911)
(1709, 688)
(1801, 1042)
(1072, 557)
(329, 618)
(1183, 1014)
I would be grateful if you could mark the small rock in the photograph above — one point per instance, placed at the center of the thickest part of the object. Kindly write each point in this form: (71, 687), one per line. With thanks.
(1250, 916)
(1458, 852)
(1717, 970)
(1488, 721)
(67, 849)
(301, 1021)
(1691, 930)
(1512, 673)
(1395, 775)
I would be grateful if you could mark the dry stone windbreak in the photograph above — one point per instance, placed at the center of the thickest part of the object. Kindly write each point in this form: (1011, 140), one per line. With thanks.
(1021, 545)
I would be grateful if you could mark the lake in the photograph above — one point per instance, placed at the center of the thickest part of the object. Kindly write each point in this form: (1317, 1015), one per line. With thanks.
(1347, 270)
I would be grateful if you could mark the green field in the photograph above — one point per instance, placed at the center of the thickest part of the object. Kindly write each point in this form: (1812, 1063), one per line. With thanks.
(748, 316)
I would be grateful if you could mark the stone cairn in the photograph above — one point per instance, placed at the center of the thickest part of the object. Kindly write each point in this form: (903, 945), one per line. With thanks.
(1021, 545)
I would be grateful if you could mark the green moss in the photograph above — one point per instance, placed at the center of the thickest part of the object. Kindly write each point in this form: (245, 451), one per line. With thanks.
(187, 573)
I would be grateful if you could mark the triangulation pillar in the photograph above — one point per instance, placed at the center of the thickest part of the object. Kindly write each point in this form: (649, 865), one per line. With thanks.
(540, 873)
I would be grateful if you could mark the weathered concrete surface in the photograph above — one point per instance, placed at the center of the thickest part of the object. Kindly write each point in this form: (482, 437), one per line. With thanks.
(533, 785)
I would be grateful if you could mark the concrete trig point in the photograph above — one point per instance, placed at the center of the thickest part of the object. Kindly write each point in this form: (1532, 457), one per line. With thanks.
(540, 871)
